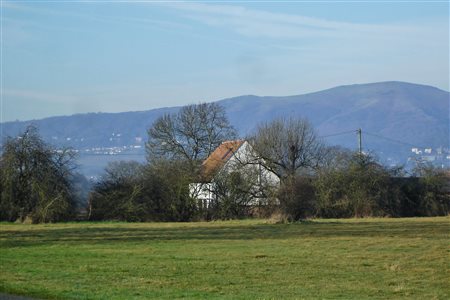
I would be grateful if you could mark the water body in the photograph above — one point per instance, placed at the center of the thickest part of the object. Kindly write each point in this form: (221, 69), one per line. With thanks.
(93, 165)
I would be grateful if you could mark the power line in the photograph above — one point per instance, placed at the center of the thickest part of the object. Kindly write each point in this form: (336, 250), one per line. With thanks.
(374, 135)
(338, 133)
(393, 140)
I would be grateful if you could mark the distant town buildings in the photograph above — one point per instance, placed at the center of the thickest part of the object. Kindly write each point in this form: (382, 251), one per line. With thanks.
(439, 156)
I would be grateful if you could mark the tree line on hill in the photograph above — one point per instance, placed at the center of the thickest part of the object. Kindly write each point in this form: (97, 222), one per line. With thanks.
(40, 184)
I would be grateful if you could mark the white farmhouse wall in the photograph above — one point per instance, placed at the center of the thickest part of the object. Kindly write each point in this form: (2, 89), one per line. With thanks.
(243, 161)
(204, 192)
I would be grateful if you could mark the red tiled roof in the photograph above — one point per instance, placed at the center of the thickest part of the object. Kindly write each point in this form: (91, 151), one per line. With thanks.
(218, 158)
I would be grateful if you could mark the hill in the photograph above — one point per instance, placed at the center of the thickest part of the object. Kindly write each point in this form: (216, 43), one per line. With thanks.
(410, 113)
(394, 117)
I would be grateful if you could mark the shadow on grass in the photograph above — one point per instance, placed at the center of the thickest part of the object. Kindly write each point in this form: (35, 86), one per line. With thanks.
(128, 233)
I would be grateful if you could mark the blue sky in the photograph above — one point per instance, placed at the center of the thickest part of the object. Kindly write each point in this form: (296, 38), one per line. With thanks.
(66, 57)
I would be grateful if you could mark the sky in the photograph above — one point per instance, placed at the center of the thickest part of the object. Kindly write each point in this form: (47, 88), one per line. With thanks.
(68, 57)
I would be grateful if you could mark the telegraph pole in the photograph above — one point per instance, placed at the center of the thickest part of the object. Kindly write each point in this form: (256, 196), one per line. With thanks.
(359, 132)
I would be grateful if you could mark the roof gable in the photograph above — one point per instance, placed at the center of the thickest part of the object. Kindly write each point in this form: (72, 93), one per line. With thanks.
(219, 158)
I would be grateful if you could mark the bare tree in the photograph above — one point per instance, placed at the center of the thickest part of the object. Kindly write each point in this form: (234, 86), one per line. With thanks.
(287, 147)
(192, 134)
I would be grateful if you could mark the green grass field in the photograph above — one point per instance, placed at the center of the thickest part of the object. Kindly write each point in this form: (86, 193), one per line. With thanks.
(323, 259)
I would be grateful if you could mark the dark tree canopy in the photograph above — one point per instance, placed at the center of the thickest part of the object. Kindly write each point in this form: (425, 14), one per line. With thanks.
(129, 191)
(118, 195)
(192, 134)
(35, 179)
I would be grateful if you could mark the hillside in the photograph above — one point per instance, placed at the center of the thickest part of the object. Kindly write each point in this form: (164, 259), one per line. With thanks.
(416, 115)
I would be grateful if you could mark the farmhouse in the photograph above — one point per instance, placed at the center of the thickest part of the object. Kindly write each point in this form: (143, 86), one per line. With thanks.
(230, 157)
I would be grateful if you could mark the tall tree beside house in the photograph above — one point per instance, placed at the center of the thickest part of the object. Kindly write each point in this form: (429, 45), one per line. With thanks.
(192, 134)
(179, 143)
(290, 148)
(35, 180)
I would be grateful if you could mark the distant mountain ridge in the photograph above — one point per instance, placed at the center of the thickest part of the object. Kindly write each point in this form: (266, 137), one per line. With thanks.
(415, 114)
(409, 113)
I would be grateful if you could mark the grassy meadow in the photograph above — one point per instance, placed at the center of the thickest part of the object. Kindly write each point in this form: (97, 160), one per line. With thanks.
(250, 259)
